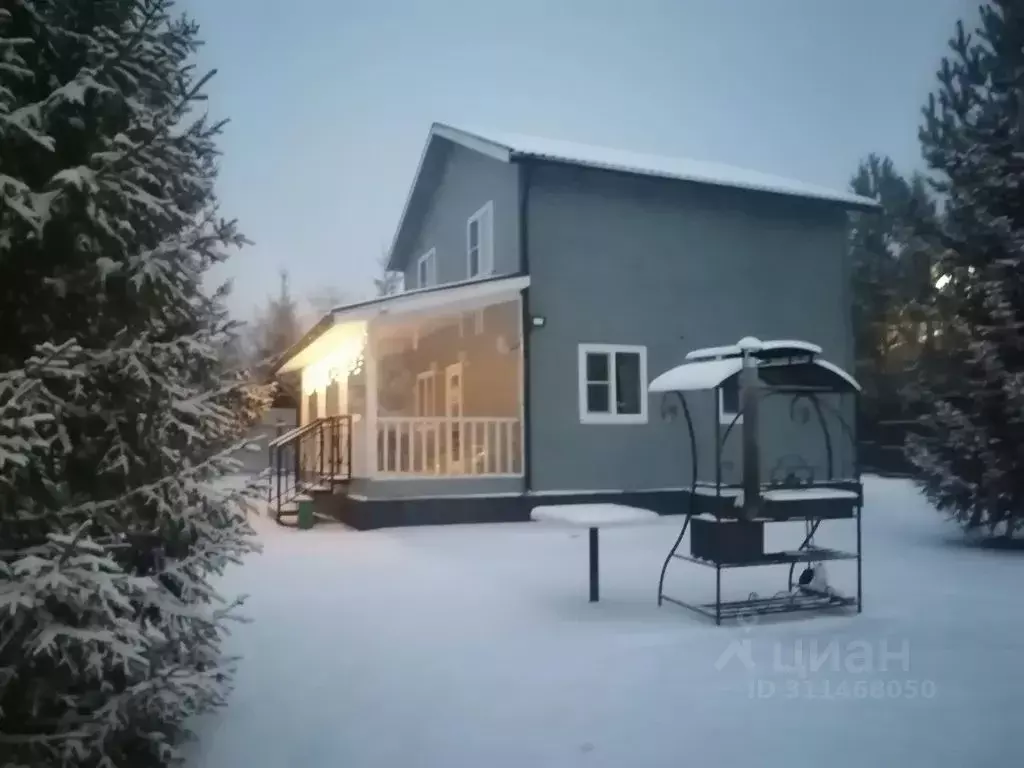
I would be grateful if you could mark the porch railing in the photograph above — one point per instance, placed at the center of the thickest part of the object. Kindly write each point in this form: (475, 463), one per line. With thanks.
(448, 446)
(314, 455)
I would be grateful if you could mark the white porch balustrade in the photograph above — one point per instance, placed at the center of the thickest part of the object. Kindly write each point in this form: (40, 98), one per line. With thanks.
(447, 446)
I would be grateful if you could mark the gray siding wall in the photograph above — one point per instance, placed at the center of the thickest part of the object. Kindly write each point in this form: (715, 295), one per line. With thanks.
(466, 182)
(672, 266)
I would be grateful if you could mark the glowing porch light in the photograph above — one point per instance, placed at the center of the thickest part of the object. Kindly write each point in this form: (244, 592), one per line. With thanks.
(344, 359)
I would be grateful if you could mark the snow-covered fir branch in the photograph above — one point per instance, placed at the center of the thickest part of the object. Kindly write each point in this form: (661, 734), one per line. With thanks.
(118, 419)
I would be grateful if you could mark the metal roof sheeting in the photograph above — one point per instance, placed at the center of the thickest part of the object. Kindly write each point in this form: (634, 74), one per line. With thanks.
(682, 169)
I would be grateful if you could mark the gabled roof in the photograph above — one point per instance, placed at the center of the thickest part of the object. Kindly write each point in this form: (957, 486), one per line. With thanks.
(681, 169)
(508, 148)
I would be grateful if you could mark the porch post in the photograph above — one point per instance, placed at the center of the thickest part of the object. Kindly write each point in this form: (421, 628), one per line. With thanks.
(524, 411)
(370, 435)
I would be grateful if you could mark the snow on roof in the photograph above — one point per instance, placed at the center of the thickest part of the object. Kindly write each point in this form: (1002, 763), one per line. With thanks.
(340, 322)
(647, 165)
(689, 377)
(755, 345)
(833, 368)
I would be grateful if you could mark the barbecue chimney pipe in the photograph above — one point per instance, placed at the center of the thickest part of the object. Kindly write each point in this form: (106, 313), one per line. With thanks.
(749, 386)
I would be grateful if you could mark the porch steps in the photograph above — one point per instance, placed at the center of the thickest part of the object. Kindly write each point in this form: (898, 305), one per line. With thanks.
(288, 515)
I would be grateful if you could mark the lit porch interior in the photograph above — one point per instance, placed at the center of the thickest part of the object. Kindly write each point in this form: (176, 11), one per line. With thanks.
(432, 380)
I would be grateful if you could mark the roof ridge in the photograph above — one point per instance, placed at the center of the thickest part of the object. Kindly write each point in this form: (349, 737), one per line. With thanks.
(645, 163)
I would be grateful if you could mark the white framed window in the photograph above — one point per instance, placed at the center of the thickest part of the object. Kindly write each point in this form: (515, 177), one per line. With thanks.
(480, 242)
(612, 384)
(729, 401)
(426, 269)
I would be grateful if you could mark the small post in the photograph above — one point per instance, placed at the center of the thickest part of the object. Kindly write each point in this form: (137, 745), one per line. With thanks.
(594, 569)
(749, 401)
(278, 470)
(718, 595)
(320, 436)
(335, 446)
(860, 559)
(348, 446)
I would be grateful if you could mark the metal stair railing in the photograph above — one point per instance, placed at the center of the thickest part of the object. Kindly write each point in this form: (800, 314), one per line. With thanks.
(314, 456)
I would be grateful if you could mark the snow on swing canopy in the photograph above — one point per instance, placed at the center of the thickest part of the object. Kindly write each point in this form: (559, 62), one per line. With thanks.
(785, 364)
(777, 348)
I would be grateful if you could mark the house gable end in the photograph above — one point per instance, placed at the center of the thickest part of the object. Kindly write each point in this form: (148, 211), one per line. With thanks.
(441, 142)
(464, 210)
(425, 183)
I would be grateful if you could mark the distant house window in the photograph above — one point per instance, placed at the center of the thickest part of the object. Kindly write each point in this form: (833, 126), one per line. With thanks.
(612, 384)
(480, 242)
(729, 401)
(471, 324)
(426, 269)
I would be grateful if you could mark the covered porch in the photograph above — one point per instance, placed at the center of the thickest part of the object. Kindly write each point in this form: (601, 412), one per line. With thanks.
(431, 381)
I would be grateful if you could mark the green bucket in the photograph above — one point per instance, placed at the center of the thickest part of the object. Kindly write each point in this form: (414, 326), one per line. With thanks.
(306, 514)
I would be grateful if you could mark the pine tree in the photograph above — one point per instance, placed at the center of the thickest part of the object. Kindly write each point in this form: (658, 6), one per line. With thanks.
(892, 279)
(970, 461)
(277, 326)
(117, 416)
(271, 333)
(389, 282)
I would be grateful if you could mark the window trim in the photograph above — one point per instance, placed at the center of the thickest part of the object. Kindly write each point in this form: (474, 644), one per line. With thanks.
(726, 417)
(586, 417)
(485, 247)
(430, 257)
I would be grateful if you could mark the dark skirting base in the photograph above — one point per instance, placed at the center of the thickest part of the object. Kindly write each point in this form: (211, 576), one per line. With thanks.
(366, 514)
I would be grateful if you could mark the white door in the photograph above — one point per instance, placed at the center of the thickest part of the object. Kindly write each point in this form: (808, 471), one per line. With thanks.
(426, 434)
(453, 410)
(425, 397)
(331, 404)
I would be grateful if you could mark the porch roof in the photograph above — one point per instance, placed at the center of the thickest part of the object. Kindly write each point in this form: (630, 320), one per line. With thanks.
(337, 324)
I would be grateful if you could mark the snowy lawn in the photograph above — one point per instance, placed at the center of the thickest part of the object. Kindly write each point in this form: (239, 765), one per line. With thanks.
(475, 646)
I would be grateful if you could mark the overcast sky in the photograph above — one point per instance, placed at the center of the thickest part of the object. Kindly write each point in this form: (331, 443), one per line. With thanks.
(330, 100)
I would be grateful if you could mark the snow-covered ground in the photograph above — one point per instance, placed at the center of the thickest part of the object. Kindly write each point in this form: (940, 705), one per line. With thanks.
(475, 646)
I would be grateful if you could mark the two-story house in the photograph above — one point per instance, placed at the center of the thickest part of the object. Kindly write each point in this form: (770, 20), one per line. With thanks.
(546, 283)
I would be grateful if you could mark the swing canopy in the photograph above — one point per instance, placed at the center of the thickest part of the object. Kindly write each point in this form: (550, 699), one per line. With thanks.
(783, 365)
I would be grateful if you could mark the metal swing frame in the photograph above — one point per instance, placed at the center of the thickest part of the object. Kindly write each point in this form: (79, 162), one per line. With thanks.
(790, 600)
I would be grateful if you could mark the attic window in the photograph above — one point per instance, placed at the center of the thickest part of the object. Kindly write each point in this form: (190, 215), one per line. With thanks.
(480, 242)
(729, 401)
(426, 269)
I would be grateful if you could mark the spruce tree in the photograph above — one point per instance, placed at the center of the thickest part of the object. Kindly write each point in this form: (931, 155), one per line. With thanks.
(892, 282)
(388, 282)
(970, 460)
(278, 326)
(117, 415)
